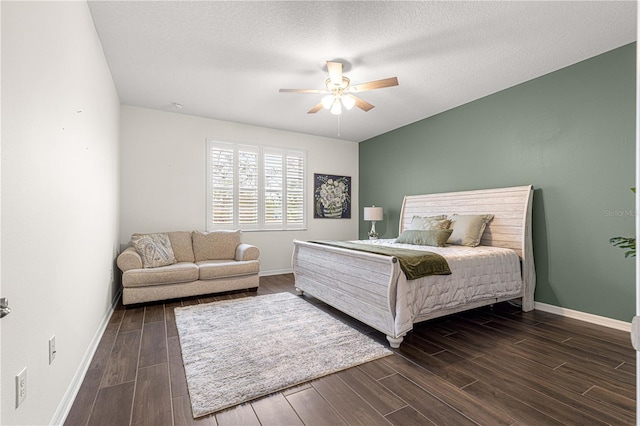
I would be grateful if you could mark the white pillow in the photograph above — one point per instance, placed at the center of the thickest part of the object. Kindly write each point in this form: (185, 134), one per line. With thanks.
(154, 249)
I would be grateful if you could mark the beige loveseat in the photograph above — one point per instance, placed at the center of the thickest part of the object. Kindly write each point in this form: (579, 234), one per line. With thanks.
(180, 264)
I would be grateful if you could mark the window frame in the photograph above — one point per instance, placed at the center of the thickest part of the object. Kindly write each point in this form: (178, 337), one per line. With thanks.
(262, 151)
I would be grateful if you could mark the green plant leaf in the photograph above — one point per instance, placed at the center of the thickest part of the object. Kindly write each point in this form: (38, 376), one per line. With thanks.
(625, 243)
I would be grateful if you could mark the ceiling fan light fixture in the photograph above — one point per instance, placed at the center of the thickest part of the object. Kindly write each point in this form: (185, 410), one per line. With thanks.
(327, 101)
(339, 92)
(348, 101)
(336, 109)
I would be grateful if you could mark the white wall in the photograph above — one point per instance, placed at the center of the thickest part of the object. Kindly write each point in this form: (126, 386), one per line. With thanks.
(60, 114)
(163, 185)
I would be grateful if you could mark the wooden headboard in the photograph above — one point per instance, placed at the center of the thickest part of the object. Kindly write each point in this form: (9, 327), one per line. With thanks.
(510, 228)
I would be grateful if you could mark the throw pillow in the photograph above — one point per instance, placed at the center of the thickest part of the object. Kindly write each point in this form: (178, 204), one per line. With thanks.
(432, 237)
(154, 249)
(422, 223)
(468, 229)
(215, 245)
(435, 224)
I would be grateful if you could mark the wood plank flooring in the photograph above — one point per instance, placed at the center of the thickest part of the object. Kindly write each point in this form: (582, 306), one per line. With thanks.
(489, 366)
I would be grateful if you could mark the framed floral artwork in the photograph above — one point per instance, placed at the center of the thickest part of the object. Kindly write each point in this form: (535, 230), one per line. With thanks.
(332, 196)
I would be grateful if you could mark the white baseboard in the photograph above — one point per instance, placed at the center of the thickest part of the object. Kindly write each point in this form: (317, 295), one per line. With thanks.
(74, 387)
(276, 272)
(583, 316)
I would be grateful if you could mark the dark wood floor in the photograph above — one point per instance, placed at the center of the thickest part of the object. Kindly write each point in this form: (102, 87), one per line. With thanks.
(486, 367)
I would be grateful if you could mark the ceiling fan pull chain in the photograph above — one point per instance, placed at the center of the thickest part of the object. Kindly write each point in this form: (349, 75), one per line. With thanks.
(338, 126)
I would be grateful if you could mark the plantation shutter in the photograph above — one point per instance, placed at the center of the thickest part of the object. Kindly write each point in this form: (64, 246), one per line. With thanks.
(222, 184)
(247, 186)
(295, 188)
(273, 190)
(253, 187)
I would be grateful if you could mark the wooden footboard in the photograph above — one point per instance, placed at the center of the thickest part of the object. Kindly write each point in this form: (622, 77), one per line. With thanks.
(363, 285)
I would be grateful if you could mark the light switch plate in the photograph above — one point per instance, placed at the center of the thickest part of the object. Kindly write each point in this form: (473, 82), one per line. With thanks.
(21, 386)
(52, 349)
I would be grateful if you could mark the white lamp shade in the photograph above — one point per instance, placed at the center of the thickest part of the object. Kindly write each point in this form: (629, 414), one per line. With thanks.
(336, 109)
(327, 101)
(348, 101)
(373, 213)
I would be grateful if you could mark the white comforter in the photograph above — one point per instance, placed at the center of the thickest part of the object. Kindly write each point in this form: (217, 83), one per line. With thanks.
(477, 273)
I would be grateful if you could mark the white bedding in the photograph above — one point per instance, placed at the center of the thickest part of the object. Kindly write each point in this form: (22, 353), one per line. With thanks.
(477, 273)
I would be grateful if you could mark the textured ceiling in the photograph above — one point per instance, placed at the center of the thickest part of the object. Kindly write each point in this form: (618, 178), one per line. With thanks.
(227, 60)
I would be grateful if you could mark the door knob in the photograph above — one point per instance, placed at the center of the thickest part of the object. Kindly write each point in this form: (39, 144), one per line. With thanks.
(4, 307)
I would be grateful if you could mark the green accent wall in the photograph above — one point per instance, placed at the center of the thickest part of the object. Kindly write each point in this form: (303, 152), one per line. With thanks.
(571, 134)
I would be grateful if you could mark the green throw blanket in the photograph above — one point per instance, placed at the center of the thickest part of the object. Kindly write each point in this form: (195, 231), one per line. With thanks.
(414, 263)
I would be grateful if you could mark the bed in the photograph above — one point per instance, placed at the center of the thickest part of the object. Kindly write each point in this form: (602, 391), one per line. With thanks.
(373, 288)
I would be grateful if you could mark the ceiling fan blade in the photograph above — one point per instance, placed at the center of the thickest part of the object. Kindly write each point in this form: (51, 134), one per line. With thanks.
(304, 90)
(363, 105)
(335, 72)
(315, 109)
(378, 84)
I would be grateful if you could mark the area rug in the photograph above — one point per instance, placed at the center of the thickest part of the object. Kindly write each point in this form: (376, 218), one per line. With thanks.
(238, 350)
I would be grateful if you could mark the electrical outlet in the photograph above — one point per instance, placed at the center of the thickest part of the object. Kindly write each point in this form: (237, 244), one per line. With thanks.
(52, 349)
(21, 386)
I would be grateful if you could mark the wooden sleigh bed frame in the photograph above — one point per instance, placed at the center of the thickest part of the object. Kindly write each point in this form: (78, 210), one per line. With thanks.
(364, 285)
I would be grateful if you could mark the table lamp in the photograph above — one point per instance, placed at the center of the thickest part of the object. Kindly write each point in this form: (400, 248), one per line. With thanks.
(373, 214)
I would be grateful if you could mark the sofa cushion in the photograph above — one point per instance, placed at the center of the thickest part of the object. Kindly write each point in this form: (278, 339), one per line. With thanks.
(154, 249)
(182, 246)
(177, 273)
(215, 245)
(214, 269)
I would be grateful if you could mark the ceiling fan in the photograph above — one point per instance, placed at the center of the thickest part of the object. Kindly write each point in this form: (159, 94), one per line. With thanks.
(340, 92)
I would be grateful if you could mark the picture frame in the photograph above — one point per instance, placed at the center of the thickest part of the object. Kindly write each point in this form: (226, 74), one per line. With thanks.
(332, 196)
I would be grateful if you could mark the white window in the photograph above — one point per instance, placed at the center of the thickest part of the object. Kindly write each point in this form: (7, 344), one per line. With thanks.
(255, 188)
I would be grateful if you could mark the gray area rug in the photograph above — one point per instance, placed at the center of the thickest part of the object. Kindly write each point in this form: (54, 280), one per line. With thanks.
(238, 350)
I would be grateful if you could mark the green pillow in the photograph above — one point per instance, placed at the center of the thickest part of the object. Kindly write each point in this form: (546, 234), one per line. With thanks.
(432, 237)
(468, 229)
(424, 223)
